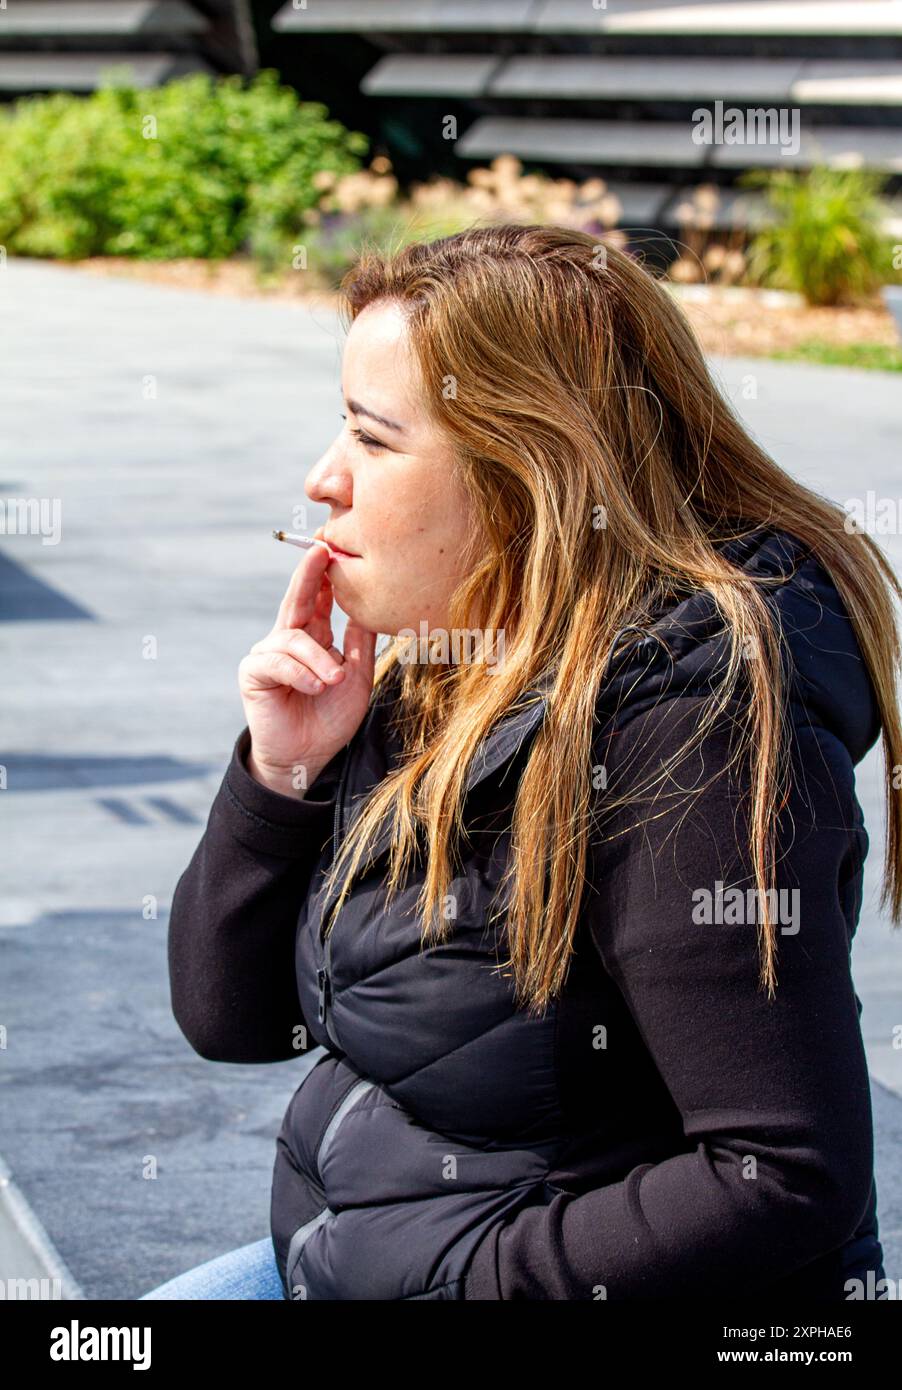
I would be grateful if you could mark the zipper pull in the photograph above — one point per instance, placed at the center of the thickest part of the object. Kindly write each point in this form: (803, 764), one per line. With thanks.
(322, 977)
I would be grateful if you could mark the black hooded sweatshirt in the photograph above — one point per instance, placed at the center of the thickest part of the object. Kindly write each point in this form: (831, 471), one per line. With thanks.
(731, 1139)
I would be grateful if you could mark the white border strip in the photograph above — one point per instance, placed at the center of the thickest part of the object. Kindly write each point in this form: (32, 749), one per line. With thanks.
(15, 1210)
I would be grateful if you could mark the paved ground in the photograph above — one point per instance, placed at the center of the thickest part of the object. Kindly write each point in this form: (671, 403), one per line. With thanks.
(177, 430)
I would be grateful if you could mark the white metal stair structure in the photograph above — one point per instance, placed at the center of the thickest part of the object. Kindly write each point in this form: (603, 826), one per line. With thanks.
(70, 45)
(583, 87)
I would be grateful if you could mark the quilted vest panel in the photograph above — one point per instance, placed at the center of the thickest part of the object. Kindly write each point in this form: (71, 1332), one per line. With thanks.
(438, 1106)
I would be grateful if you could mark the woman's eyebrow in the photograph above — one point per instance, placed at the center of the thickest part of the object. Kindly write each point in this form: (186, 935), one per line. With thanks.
(357, 409)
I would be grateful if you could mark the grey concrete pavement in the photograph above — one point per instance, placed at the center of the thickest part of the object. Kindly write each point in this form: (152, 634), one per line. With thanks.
(176, 430)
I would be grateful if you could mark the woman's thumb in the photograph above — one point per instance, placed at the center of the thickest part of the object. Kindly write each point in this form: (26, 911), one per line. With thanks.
(360, 646)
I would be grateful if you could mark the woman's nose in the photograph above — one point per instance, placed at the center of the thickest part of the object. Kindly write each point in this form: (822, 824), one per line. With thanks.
(328, 482)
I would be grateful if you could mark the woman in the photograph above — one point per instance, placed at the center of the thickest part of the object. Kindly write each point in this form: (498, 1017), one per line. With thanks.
(569, 930)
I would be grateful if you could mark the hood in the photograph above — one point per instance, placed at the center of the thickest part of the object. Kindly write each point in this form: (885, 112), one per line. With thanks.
(684, 651)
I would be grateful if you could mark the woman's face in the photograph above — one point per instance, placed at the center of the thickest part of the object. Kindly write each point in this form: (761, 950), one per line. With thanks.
(394, 502)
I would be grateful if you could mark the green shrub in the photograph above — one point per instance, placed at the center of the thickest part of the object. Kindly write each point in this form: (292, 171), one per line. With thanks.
(877, 357)
(198, 167)
(827, 240)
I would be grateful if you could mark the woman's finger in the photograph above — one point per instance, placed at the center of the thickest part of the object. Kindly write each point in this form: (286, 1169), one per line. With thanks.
(320, 625)
(299, 603)
(298, 643)
(360, 649)
(267, 670)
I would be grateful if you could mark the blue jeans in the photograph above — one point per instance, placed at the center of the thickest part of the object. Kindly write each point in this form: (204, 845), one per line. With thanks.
(249, 1272)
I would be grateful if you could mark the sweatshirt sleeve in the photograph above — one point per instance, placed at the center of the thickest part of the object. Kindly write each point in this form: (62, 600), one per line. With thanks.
(234, 913)
(773, 1097)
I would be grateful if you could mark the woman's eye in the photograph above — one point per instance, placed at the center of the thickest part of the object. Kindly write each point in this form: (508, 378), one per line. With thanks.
(365, 439)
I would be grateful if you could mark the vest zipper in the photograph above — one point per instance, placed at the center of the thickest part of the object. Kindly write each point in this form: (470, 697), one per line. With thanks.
(302, 1234)
(323, 976)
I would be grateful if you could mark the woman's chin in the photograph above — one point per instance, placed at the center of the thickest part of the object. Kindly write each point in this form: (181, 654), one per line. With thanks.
(357, 609)
(356, 600)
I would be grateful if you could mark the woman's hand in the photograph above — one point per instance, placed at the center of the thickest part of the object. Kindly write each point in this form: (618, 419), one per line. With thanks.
(303, 698)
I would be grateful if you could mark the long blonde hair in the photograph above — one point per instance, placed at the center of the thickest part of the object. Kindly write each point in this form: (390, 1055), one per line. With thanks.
(567, 380)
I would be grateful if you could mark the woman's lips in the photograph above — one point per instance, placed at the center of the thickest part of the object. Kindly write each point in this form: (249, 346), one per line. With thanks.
(337, 551)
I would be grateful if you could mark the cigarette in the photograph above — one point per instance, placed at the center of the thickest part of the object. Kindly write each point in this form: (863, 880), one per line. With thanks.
(305, 542)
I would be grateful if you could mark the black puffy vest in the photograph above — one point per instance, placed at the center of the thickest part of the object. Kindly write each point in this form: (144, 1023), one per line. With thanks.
(436, 1107)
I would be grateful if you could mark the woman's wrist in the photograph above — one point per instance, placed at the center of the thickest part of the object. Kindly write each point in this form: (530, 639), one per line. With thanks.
(284, 779)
